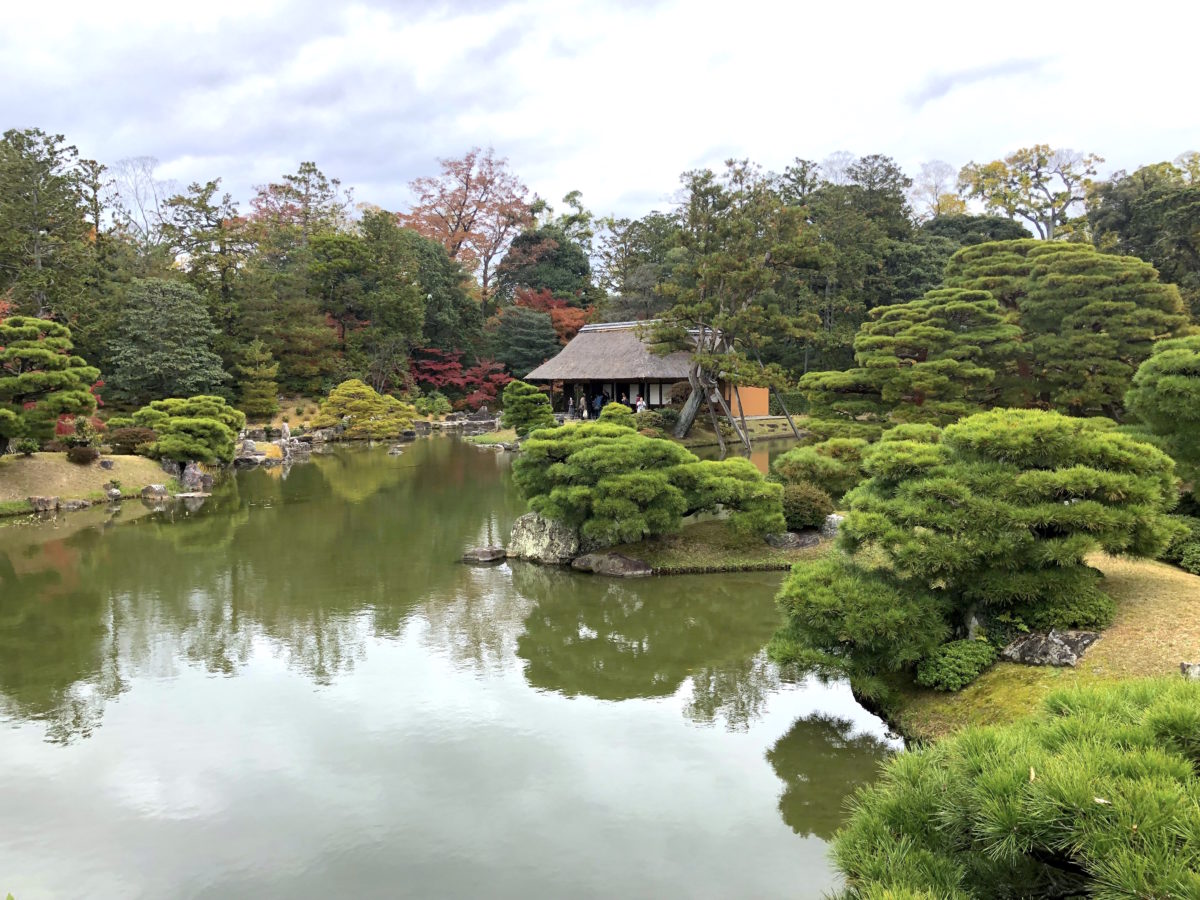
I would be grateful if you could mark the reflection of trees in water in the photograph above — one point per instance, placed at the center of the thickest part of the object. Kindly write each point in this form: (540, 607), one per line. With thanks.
(478, 622)
(736, 692)
(285, 562)
(822, 762)
(615, 639)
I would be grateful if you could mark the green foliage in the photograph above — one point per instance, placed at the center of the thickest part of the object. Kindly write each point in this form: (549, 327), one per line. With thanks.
(27, 446)
(617, 414)
(524, 339)
(40, 379)
(835, 465)
(616, 485)
(1088, 319)
(669, 416)
(931, 360)
(1184, 547)
(202, 428)
(827, 429)
(365, 413)
(648, 420)
(805, 505)
(526, 408)
(162, 345)
(434, 403)
(1166, 396)
(260, 390)
(131, 439)
(795, 401)
(994, 519)
(1093, 797)
(952, 666)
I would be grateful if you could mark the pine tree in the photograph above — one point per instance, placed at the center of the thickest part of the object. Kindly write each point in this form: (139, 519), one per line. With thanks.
(40, 379)
(202, 428)
(930, 360)
(526, 408)
(1088, 318)
(365, 413)
(260, 390)
(1166, 396)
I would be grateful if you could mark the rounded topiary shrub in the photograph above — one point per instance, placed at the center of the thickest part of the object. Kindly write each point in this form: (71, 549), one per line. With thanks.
(952, 666)
(617, 414)
(648, 420)
(26, 446)
(805, 505)
(83, 455)
(526, 408)
(131, 440)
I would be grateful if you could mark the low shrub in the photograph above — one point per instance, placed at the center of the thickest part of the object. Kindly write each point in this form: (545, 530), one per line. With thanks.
(796, 402)
(433, 404)
(805, 505)
(678, 393)
(617, 414)
(835, 466)
(669, 416)
(26, 446)
(131, 440)
(952, 666)
(1184, 548)
(1189, 561)
(825, 429)
(82, 455)
(648, 419)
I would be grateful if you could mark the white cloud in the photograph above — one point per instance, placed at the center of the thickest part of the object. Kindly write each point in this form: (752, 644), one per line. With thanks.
(615, 98)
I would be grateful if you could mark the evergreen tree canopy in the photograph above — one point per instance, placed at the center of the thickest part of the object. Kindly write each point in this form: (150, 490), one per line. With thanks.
(526, 408)
(260, 390)
(365, 413)
(1095, 796)
(930, 360)
(615, 485)
(1166, 396)
(1088, 318)
(39, 378)
(995, 519)
(162, 346)
(202, 428)
(525, 339)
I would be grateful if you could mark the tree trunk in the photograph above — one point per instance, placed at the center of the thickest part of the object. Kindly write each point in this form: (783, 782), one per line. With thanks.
(787, 415)
(692, 407)
(729, 414)
(741, 410)
(716, 424)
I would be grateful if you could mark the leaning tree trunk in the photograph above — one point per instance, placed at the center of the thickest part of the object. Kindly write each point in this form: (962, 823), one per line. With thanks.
(716, 391)
(692, 407)
(716, 423)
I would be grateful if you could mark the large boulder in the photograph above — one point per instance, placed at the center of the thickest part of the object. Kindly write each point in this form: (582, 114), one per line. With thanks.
(615, 564)
(543, 540)
(43, 504)
(1052, 648)
(171, 467)
(792, 540)
(154, 492)
(1190, 671)
(195, 479)
(322, 435)
(832, 525)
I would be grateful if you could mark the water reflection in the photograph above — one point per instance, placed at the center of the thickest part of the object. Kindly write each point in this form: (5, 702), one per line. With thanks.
(822, 761)
(314, 565)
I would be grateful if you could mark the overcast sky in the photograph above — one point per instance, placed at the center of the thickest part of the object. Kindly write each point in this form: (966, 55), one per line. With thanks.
(613, 98)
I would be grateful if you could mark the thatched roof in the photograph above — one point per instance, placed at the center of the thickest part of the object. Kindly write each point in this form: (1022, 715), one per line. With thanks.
(611, 352)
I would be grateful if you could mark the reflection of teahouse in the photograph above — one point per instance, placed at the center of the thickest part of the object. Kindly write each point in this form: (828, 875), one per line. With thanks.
(612, 358)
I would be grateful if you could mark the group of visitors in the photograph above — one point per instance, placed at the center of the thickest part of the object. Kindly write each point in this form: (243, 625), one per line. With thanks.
(599, 401)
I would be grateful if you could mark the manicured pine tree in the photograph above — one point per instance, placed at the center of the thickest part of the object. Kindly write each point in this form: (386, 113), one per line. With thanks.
(202, 428)
(1088, 318)
(365, 413)
(526, 408)
(40, 379)
(929, 360)
(1166, 396)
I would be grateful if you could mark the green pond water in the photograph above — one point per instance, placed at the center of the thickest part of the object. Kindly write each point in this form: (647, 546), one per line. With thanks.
(297, 691)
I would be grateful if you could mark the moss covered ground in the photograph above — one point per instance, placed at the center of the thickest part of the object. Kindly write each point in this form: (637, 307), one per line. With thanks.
(713, 546)
(1156, 627)
(503, 436)
(52, 475)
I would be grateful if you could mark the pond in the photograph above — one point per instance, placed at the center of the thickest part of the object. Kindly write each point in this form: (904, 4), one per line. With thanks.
(297, 691)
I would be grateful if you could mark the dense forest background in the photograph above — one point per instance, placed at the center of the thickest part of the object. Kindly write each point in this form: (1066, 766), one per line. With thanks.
(173, 291)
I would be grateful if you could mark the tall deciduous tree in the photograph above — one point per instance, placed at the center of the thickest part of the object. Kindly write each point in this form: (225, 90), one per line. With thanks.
(473, 208)
(163, 344)
(40, 379)
(43, 230)
(934, 191)
(1038, 184)
(307, 201)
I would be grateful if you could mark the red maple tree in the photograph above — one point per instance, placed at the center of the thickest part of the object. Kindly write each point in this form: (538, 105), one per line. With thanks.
(566, 319)
(474, 209)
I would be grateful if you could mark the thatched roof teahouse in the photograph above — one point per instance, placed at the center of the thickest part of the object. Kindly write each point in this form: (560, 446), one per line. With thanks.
(612, 358)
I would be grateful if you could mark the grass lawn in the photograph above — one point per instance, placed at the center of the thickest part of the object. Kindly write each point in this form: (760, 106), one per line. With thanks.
(1156, 627)
(503, 436)
(51, 475)
(714, 546)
